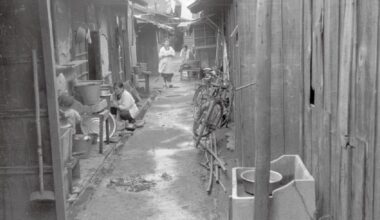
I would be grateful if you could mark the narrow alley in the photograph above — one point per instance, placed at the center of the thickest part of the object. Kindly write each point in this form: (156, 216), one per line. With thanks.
(161, 155)
(273, 112)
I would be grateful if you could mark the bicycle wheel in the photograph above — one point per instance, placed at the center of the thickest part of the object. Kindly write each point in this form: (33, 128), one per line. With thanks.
(200, 95)
(209, 119)
(228, 101)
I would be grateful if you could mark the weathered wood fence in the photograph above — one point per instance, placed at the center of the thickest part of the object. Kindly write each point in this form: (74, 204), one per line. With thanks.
(325, 100)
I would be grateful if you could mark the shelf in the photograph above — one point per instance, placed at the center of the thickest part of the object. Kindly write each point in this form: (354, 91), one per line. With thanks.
(70, 65)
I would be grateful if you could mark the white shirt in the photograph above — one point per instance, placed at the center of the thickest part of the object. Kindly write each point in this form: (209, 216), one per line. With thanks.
(165, 64)
(127, 102)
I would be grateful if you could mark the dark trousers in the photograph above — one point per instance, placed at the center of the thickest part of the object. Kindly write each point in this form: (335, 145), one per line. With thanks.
(124, 114)
(167, 76)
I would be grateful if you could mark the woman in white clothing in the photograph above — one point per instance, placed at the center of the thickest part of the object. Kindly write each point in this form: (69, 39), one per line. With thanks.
(165, 67)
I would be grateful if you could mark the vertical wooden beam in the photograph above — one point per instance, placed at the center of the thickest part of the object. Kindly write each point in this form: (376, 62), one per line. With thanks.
(306, 66)
(376, 203)
(262, 114)
(245, 106)
(277, 82)
(365, 106)
(237, 79)
(343, 106)
(292, 75)
(49, 69)
(331, 43)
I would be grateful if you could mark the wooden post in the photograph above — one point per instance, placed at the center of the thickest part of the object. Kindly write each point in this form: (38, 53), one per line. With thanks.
(94, 57)
(49, 68)
(262, 113)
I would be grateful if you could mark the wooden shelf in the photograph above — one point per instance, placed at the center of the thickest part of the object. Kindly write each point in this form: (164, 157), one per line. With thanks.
(70, 65)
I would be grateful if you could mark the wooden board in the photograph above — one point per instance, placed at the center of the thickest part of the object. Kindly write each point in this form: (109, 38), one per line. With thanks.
(366, 71)
(52, 104)
(376, 202)
(331, 63)
(359, 160)
(292, 50)
(343, 106)
(246, 22)
(277, 83)
(306, 66)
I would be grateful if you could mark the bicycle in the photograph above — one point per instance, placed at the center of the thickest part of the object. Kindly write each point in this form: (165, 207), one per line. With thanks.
(215, 113)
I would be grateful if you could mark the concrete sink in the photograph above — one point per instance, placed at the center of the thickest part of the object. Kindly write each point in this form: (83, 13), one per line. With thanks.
(292, 198)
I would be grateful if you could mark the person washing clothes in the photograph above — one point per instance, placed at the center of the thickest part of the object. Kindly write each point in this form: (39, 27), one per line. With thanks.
(123, 104)
(165, 66)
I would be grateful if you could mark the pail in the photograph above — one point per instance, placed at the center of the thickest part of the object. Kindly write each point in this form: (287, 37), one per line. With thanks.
(82, 146)
(248, 177)
(89, 91)
(106, 94)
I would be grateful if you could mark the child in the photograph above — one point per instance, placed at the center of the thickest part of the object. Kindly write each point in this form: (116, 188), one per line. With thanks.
(67, 112)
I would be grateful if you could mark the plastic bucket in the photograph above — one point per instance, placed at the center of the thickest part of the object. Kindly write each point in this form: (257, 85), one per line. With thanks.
(89, 91)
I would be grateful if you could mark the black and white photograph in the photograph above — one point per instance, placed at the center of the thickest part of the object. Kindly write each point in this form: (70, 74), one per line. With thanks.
(189, 110)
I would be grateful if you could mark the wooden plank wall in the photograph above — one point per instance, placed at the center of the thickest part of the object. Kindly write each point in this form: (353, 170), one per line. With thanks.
(245, 97)
(19, 34)
(325, 85)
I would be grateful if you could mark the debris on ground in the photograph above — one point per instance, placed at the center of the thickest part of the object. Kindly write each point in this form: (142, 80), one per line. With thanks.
(165, 176)
(132, 183)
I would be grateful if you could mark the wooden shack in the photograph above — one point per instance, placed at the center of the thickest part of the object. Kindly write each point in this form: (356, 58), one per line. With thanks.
(151, 30)
(85, 39)
(201, 34)
(325, 85)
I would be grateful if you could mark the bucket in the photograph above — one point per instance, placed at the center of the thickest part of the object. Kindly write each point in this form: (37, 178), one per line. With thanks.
(82, 146)
(248, 177)
(106, 94)
(89, 91)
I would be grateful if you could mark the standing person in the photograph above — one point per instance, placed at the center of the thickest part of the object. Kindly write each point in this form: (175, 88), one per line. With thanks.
(124, 104)
(192, 53)
(165, 67)
(185, 54)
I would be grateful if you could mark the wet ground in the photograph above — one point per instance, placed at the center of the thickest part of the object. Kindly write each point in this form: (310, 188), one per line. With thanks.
(157, 175)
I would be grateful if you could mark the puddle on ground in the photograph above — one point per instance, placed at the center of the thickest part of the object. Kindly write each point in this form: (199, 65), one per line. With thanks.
(169, 96)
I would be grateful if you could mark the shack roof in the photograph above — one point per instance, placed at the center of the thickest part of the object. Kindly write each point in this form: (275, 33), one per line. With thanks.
(161, 20)
(200, 5)
(120, 2)
(187, 25)
(143, 19)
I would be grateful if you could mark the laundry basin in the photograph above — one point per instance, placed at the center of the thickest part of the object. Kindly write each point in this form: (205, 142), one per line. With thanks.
(248, 178)
(292, 198)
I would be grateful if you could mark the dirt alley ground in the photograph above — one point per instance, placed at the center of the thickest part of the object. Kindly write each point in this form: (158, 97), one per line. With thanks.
(161, 160)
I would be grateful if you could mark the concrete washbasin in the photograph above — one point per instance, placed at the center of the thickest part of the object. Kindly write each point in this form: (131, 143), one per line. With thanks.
(292, 197)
